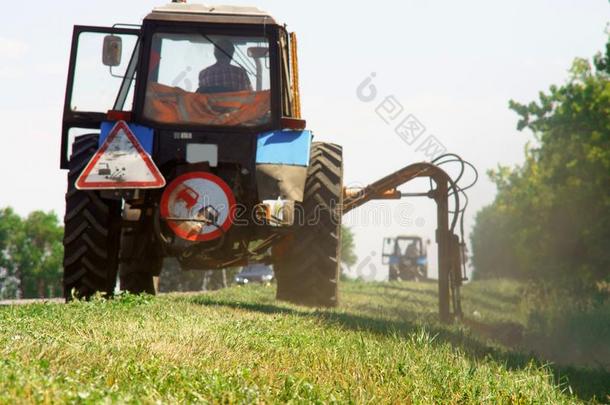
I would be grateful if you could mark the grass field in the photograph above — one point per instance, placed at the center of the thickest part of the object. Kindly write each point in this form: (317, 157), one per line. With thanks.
(382, 345)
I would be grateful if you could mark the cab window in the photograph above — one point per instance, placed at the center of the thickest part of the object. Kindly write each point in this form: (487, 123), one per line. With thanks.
(96, 85)
(211, 80)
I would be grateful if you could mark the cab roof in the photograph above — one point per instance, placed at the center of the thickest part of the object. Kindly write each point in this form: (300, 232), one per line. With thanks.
(197, 12)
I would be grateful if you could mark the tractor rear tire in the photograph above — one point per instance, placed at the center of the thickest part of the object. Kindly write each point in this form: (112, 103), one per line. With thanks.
(92, 231)
(393, 272)
(424, 273)
(307, 271)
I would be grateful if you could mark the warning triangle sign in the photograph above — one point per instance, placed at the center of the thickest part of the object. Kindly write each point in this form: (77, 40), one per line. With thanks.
(121, 162)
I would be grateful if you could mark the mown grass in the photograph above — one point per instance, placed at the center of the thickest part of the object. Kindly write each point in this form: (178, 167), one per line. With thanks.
(382, 345)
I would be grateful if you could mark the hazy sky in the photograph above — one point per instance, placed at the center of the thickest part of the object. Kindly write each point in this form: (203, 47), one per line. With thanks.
(452, 65)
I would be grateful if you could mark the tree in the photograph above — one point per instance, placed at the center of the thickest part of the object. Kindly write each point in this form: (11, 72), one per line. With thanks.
(551, 216)
(348, 255)
(491, 241)
(10, 226)
(37, 253)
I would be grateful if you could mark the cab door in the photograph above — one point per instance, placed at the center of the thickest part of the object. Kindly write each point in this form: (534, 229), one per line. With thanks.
(95, 83)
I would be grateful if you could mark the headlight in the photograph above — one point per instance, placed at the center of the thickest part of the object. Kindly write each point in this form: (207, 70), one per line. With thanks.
(267, 277)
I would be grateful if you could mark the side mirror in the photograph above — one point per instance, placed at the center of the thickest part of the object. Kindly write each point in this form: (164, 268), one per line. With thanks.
(113, 49)
(427, 241)
(258, 52)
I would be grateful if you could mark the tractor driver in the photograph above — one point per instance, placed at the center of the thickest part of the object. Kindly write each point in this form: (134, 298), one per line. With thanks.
(223, 77)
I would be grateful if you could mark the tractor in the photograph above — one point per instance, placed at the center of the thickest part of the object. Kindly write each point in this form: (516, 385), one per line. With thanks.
(206, 101)
(406, 258)
(183, 138)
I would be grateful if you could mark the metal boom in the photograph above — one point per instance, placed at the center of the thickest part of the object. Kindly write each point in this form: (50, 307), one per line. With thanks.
(449, 269)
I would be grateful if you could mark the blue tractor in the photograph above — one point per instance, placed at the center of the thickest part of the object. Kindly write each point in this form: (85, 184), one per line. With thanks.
(196, 113)
(406, 257)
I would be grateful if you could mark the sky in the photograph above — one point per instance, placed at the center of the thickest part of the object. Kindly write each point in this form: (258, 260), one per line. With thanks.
(452, 66)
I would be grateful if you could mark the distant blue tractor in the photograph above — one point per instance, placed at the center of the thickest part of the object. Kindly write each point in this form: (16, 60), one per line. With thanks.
(406, 257)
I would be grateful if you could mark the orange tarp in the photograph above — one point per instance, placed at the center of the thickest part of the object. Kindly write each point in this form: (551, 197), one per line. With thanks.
(172, 105)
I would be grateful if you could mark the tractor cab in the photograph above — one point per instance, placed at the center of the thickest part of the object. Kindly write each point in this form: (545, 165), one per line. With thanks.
(187, 68)
(406, 257)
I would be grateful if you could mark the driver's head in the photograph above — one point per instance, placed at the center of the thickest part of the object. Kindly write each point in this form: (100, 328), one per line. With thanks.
(224, 50)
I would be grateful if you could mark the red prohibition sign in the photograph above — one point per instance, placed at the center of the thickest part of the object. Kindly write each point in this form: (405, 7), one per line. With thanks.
(190, 197)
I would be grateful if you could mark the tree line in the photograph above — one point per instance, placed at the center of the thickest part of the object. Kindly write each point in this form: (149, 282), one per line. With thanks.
(31, 254)
(550, 219)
